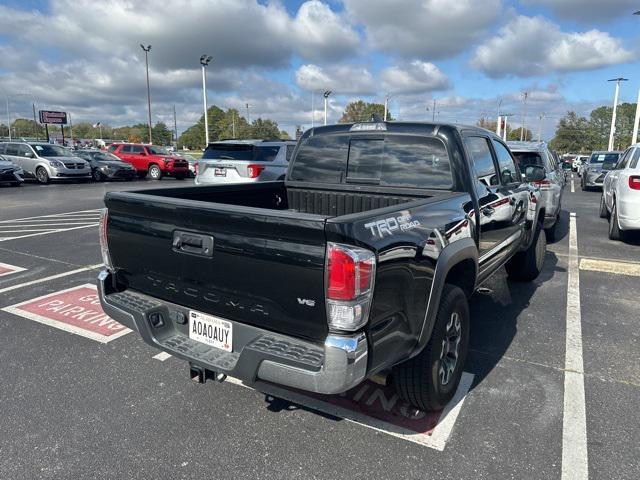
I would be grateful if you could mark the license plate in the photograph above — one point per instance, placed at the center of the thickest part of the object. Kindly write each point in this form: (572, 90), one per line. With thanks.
(220, 172)
(210, 330)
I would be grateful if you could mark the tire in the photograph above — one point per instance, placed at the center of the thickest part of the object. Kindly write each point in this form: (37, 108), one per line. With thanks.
(180, 177)
(154, 172)
(604, 213)
(42, 175)
(141, 175)
(550, 233)
(429, 380)
(526, 266)
(614, 228)
(97, 176)
(16, 184)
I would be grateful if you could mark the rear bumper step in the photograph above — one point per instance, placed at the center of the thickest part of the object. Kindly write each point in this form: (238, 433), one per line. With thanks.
(258, 355)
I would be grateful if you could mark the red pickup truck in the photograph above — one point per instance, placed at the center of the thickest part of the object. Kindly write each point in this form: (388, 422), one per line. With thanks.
(151, 159)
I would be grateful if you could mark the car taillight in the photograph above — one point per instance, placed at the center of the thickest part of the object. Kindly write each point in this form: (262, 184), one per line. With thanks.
(103, 231)
(543, 184)
(634, 182)
(350, 274)
(254, 170)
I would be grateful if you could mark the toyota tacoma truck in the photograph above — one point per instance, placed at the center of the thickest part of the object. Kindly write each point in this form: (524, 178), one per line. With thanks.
(360, 262)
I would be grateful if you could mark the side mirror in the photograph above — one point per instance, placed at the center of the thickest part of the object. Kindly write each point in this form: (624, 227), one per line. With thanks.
(28, 154)
(534, 173)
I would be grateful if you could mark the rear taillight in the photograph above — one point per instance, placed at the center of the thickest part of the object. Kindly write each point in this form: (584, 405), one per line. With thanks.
(103, 231)
(350, 276)
(253, 170)
(543, 184)
(634, 182)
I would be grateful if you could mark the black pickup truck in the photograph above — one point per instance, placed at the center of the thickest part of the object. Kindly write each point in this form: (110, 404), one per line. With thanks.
(360, 262)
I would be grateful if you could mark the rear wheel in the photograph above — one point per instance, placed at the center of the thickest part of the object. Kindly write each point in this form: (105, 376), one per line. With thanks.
(141, 175)
(97, 175)
(154, 172)
(526, 266)
(42, 175)
(604, 213)
(429, 380)
(614, 228)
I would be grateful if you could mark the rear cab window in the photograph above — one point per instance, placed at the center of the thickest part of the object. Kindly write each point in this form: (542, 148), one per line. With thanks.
(403, 161)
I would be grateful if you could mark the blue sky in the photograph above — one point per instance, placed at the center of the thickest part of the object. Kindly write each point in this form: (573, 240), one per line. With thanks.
(83, 56)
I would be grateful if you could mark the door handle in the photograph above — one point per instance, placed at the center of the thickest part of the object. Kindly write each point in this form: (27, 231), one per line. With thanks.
(192, 243)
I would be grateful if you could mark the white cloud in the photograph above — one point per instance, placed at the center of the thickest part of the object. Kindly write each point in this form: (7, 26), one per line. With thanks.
(414, 77)
(588, 11)
(530, 46)
(341, 79)
(320, 34)
(426, 29)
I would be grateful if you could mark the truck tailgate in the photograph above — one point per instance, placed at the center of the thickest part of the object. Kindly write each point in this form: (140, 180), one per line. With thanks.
(265, 268)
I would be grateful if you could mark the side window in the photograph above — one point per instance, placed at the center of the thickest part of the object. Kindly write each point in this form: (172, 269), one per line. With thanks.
(634, 160)
(112, 148)
(624, 159)
(506, 165)
(125, 149)
(12, 149)
(289, 152)
(482, 159)
(23, 150)
(136, 148)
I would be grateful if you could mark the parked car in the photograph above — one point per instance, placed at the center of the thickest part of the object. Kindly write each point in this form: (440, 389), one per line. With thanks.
(192, 161)
(10, 173)
(594, 171)
(244, 161)
(551, 186)
(361, 261)
(620, 201)
(150, 159)
(45, 162)
(106, 166)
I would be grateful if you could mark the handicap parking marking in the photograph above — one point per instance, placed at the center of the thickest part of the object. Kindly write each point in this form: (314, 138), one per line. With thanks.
(6, 269)
(76, 310)
(610, 266)
(48, 224)
(380, 408)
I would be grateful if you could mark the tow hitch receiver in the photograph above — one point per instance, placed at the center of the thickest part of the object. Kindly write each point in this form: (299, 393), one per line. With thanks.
(200, 375)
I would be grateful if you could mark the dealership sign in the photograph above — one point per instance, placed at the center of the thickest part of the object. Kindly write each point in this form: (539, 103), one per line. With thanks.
(54, 118)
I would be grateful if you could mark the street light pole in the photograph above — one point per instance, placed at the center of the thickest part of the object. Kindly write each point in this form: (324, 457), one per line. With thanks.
(8, 119)
(612, 131)
(541, 117)
(386, 106)
(326, 101)
(204, 61)
(524, 114)
(146, 50)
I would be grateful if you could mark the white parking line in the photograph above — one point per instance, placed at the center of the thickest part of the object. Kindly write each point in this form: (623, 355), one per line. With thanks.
(575, 464)
(51, 277)
(48, 224)
(573, 185)
(162, 356)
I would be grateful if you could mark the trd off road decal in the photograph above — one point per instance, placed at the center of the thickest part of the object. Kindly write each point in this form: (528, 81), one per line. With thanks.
(388, 226)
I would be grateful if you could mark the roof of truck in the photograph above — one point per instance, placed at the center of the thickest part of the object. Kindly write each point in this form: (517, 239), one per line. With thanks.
(430, 128)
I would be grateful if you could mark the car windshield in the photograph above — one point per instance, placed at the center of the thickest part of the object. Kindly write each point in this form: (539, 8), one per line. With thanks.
(155, 150)
(50, 151)
(105, 157)
(604, 157)
(523, 159)
(240, 151)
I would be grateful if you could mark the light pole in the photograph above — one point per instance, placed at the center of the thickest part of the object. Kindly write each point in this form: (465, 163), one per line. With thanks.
(146, 50)
(8, 119)
(326, 101)
(386, 106)
(524, 115)
(204, 61)
(634, 139)
(612, 132)
(541, 117)
(499, 124)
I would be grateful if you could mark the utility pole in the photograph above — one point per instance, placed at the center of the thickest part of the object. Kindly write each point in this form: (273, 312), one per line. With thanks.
(386, 106)
(499, 124)
(248, 116)
(326, 102)
(146, 50)
(204, 61)
(175, 125)
(313, 109)
(233, 123)
(35, 123)
(524, 114)
(71, 130)
(506, 118)
(8, 119)
(612, 132)
(433, 112)
(541, 117)
(637, 120)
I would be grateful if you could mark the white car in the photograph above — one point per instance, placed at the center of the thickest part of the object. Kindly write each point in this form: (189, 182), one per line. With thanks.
(620, 201)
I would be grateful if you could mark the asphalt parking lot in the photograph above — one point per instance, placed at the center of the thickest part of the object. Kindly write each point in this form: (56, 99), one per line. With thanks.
(74, 407)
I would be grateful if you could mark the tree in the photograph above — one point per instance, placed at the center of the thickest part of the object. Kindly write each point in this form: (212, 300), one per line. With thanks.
(265, 129)
(515, 134)
(161, 134)
(24, 127)
(572, 134)
(360, 111)
(284, 135)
